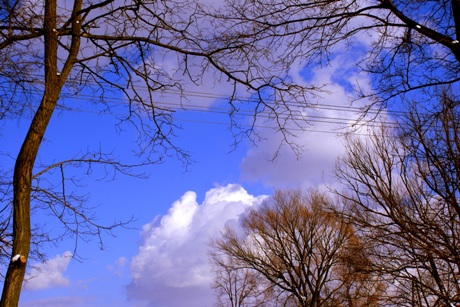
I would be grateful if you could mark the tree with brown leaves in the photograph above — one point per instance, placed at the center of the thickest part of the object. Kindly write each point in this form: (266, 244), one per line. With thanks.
(300, 254)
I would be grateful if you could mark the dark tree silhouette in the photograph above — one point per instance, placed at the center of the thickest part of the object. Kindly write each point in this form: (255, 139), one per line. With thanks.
(407, 46)
(403, 196)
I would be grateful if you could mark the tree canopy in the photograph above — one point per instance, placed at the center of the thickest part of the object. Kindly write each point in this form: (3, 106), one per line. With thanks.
(300, 253)
(403, 196)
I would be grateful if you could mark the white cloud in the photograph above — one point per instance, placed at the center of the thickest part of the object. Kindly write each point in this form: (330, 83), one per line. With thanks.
(312, 168)
(49, 274)
(322, 142)
(171, 268)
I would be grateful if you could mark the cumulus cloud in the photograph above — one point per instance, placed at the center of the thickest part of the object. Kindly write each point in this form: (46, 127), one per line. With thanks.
(49, 274)
(171, 268)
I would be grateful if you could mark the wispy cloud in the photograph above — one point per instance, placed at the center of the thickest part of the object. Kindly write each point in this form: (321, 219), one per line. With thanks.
(49, 274)
(118, 267)
(330, 115)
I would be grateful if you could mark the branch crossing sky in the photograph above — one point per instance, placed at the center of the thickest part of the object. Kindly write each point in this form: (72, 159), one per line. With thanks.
(162, 261)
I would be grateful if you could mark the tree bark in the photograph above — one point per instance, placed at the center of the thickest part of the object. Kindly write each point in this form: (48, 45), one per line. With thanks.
(21, 202)
(456, 15)
(22, 180)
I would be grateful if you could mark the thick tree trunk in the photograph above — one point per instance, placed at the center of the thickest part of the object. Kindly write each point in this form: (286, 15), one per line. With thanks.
(22, 180)
(456, 15)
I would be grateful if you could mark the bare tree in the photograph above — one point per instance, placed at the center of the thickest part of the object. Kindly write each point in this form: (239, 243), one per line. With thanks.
(235, 285)
(54, 49)
(302, 253)
(403, 196)
(407, 46)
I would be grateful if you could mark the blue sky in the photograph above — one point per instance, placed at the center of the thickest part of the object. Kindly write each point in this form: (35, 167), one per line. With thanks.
(162, 260)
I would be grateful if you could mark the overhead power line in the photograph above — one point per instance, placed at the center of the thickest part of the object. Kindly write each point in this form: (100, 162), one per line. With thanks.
(314, 114)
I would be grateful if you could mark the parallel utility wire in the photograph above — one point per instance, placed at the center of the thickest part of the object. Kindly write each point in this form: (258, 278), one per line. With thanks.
(186, 105)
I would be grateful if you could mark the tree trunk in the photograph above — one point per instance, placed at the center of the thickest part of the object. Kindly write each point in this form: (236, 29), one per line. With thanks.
(22, 180)
(456, 15)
